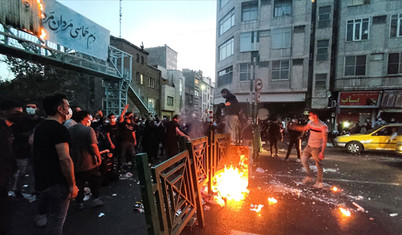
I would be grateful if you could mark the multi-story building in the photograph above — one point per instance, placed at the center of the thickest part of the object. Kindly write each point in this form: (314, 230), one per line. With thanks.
(368, 74)
(192, 91)
(341, 57)
(146, 80)
(207, 97)
(172, 92)
(268, 40)
(163, 56)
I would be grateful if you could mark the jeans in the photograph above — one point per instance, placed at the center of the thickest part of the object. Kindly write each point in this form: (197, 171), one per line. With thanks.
(297, 143)
(312, 152)
(125, 147)
(55, 199)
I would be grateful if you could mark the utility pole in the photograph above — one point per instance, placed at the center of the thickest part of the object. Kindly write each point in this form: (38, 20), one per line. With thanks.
(120, 16)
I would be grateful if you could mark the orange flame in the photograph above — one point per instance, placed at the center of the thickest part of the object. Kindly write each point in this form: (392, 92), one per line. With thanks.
(272, 201)
(40, 5)
(345, 212)
(43, 34)
(335, 189)
(231, 184)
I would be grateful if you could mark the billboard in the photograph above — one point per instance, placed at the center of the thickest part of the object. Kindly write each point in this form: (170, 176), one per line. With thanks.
(71, 29)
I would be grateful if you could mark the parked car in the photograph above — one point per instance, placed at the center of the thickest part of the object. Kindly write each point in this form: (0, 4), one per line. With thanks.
(387, 137)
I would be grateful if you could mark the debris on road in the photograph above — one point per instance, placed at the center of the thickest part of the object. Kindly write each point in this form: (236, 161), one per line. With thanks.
(101, 215)
(393, 214)
(259, 170)
(359, 208)
(139, 206)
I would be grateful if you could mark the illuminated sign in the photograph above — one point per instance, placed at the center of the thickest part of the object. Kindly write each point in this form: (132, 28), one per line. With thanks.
(361, 98)
(71, 29)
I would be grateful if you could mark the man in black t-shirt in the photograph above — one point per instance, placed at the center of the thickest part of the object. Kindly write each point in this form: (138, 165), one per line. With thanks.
(53, 167)
(171, 144)
(127, 139)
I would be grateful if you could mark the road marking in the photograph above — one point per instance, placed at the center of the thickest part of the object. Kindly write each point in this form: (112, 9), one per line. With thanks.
(344, 180)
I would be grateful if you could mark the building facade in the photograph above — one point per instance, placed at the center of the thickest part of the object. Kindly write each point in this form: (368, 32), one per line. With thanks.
(267, 40)
(341, 57)
(146, 79)
(163, 56)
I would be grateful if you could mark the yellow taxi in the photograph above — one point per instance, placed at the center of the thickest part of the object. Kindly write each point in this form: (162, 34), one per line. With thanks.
(387, 137)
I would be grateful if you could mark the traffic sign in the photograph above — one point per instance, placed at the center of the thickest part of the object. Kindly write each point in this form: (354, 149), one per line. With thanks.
(258, 84)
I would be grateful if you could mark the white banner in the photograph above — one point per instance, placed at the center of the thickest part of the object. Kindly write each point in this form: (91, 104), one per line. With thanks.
(70, 29)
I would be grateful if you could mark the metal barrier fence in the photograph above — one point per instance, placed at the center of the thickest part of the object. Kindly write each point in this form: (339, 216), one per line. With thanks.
(171, 190)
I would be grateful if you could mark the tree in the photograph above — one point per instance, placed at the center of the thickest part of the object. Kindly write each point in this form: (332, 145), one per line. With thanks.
(33, 81)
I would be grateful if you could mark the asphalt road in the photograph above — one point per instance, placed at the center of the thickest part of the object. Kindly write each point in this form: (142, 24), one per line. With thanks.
(371, 180)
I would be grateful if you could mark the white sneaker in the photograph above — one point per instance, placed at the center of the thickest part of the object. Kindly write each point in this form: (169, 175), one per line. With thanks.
(297, 160)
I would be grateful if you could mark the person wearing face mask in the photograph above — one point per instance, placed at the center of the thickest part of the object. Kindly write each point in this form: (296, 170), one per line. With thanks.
(71, 120)
(127, 139)
(86, 157)
(53, 166)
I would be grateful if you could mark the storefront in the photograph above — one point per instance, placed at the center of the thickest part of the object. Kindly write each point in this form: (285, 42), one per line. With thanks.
(391, 106)
(355, 107)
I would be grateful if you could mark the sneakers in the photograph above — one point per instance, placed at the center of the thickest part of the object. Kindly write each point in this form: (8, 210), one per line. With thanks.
(97, 202)
(307, 180)
(297, 159)
(318, 185)
(40, 220)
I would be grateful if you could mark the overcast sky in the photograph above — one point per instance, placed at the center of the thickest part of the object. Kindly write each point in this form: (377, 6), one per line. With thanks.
(187, 26)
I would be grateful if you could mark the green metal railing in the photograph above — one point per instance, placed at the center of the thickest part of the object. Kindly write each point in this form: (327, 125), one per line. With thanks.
(171, 190)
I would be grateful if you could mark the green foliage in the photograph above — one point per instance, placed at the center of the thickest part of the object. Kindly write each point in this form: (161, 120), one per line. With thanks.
(33, 81)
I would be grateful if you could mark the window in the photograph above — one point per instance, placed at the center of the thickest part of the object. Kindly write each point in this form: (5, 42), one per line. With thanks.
(299, 29)
(138, 58)
(247, 41)
(396, 26)
(281, 38)
(249, 11)
(357, 2)
(355, 65)
(170, 101)
(324, 16)
(226, 49)
(151, 82)
(151, 104)
(245, 69)
(225, 76)
(280, 69)
(357, 30)
(223, 3)
(142, 59)
(282, 8)
(321, 81)
(322, 50)
(395, 63)
(227, 22)
(379, 19)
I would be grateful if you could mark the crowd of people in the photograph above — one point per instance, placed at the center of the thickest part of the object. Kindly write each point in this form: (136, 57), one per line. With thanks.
(69, 149)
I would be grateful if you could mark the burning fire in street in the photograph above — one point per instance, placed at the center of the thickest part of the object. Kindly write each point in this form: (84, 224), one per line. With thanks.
(230, 184)
(345, 212)
(272, 201)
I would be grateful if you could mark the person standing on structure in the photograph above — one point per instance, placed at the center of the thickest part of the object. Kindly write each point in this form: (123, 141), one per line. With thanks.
(317, 142)
(231, 111)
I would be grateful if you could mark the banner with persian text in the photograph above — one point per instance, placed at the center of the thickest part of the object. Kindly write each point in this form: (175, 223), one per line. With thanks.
(359, 99)
(71, 29)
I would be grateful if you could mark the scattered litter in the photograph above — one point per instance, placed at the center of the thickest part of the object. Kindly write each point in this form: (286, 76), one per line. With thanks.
(139, 206)
(330, 170)
(393, 214)
(31, 198)
(259, 170)
(25, 186)
(114, 195)
(206, 208)
(101, 215)
(371, 219)
(359, 208)
(125, 176)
